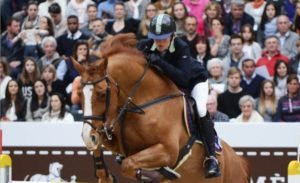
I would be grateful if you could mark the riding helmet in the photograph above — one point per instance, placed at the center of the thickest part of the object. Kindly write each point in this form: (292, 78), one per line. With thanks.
(162, 26)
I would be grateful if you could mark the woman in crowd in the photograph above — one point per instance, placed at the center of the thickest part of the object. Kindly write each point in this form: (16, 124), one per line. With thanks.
(179, 12)
(266, 104)
(296, 23)
(53, 84)
(32, 15)
(212, 10)
(29, 75)
(281, 73)
(39, 103)
(219, 43)
(4, 76)
(288, 108)
(249, 114)
(269, 20)
(13, 106)
(217, 80)
(203, 50)
(150, 12)
(57, 110)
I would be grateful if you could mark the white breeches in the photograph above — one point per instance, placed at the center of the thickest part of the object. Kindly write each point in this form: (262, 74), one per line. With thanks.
(200, 94)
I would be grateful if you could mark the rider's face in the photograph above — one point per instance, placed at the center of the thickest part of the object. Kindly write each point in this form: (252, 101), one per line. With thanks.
(163, 44)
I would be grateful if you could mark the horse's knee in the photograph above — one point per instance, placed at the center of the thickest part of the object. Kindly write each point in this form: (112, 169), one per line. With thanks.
(128, 167)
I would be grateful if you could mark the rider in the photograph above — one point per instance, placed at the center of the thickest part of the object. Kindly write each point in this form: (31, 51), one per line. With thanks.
(171, 56)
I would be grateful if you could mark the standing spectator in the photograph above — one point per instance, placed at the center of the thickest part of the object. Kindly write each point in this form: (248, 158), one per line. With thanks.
(249, 114)
(13, 106)
(287, 38)
(49, 46)
(78, 8)
(191, 37)
(288, 109)
(60, 23)
(215, 115)
(266, 104)
(269, 19)
(67, 41)
(8, 8)
(39, 102)
(270, 56)
(136, 8)
(251, 81)
(13, 52)
(92, 15)
(296, 22)
(212, 10)
(106, 10)
(280, 77)
(216, 80)
(4, 76)
(237, 18)
(250, 47)
(255, 9)
(295, 62)
(164, 6)
(54, 85)
(179, 13)
(32, 15)
(44, 6)
(57, 110)
(228, 102)
(29, 75)
(219, 43)
(150, 12)
(203, 50)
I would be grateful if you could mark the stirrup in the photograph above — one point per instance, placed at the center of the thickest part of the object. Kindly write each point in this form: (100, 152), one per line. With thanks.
(210, 158)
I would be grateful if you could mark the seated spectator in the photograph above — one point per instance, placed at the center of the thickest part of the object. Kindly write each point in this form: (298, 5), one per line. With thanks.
(32, 15)
(217, 79)
(296, 24)
(203, 50)
(249, 114)
(60, 23)
(228, 102)
(266, 104)
(294, 62)
(237, 18)
(150, 12)
(215, 115)
(287, 37)
(269, 20)
(250, 47)
(13, 106)
(30, 74)
(255, 9)
(251, 81)
(57, 110)
(44, 6)
(179, 13)
(92, 15)
(49, 46)
(212, 10)
(39, 102)
(270, 56)
(136, 9)
(288, 108)
(4, 76)
(219, 43)
(54, 85)
(280, 76)
(106, 10)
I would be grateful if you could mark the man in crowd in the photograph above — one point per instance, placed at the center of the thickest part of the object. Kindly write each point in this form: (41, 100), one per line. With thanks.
(60, 24)
(215, 115)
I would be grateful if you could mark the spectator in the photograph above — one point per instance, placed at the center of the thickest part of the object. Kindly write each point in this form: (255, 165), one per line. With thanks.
(288, 109)
(30, 74)
(57, 110)
(287, 38)
(270, 56)
(49, 46)
(13, 106)
(215, 115)
(203, 50)
(219, 43)
(289, 8)
(269, 19)
(191, 37)
(60, 23)
(212, 10)
(106, 10)
(255, 9)
(236, 54)
(13, 52)
(294, 62)
(150, 12)
(78, 8)
(92, 15)
(228, 102)
(32, 15)
(39, 102)
(136, 8)
(179, 13)
(75, 99)
(250, 47)
(120, 24)
(67, 41)
(44, 6)
(237, 18)
(251, 81)
(217, 80)
(4, 76)
(296, 22)
(54, 85)
(7, 9)
(280, 77)
(249, 114)
(164, 6)
(266, 104)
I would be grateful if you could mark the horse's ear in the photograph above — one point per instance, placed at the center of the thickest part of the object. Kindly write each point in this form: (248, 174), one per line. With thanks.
(77, 66)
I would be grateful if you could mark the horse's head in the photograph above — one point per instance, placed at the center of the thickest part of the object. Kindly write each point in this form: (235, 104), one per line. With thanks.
(55, 169)
(95, 93)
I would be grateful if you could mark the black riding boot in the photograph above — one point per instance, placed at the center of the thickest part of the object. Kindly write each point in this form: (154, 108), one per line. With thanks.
(207, 130)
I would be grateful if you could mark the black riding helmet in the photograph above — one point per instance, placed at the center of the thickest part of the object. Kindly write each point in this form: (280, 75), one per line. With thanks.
(162, 26)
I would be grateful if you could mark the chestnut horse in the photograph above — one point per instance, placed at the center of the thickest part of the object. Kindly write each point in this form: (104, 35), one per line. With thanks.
(117, 91)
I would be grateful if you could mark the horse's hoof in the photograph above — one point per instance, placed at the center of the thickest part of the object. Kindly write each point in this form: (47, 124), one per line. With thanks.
(148, 176)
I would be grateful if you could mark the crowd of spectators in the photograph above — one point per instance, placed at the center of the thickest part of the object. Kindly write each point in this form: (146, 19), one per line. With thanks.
(251, 50)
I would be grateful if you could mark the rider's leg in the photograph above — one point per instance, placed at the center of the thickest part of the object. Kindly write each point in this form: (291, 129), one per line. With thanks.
(200, 94)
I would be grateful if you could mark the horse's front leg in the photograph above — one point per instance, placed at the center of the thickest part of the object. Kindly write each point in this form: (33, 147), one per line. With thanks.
(101, 170)
(156, 156)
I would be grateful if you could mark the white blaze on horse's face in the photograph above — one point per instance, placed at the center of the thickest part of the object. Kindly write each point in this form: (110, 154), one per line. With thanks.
(90, 139)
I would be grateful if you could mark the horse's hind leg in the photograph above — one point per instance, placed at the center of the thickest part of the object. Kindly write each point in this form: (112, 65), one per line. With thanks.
(155, 156)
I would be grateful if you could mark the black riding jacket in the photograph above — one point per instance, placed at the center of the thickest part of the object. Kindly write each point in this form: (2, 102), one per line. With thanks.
(177, 63)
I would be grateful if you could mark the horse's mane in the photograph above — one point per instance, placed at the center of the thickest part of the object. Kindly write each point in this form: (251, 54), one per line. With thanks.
(118, 44)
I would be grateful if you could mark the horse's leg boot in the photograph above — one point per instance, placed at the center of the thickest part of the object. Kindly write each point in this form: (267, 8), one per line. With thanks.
(148, 176)
(211, 162)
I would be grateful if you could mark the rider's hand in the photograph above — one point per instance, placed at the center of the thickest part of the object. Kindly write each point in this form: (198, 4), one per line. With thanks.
(154, 59)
